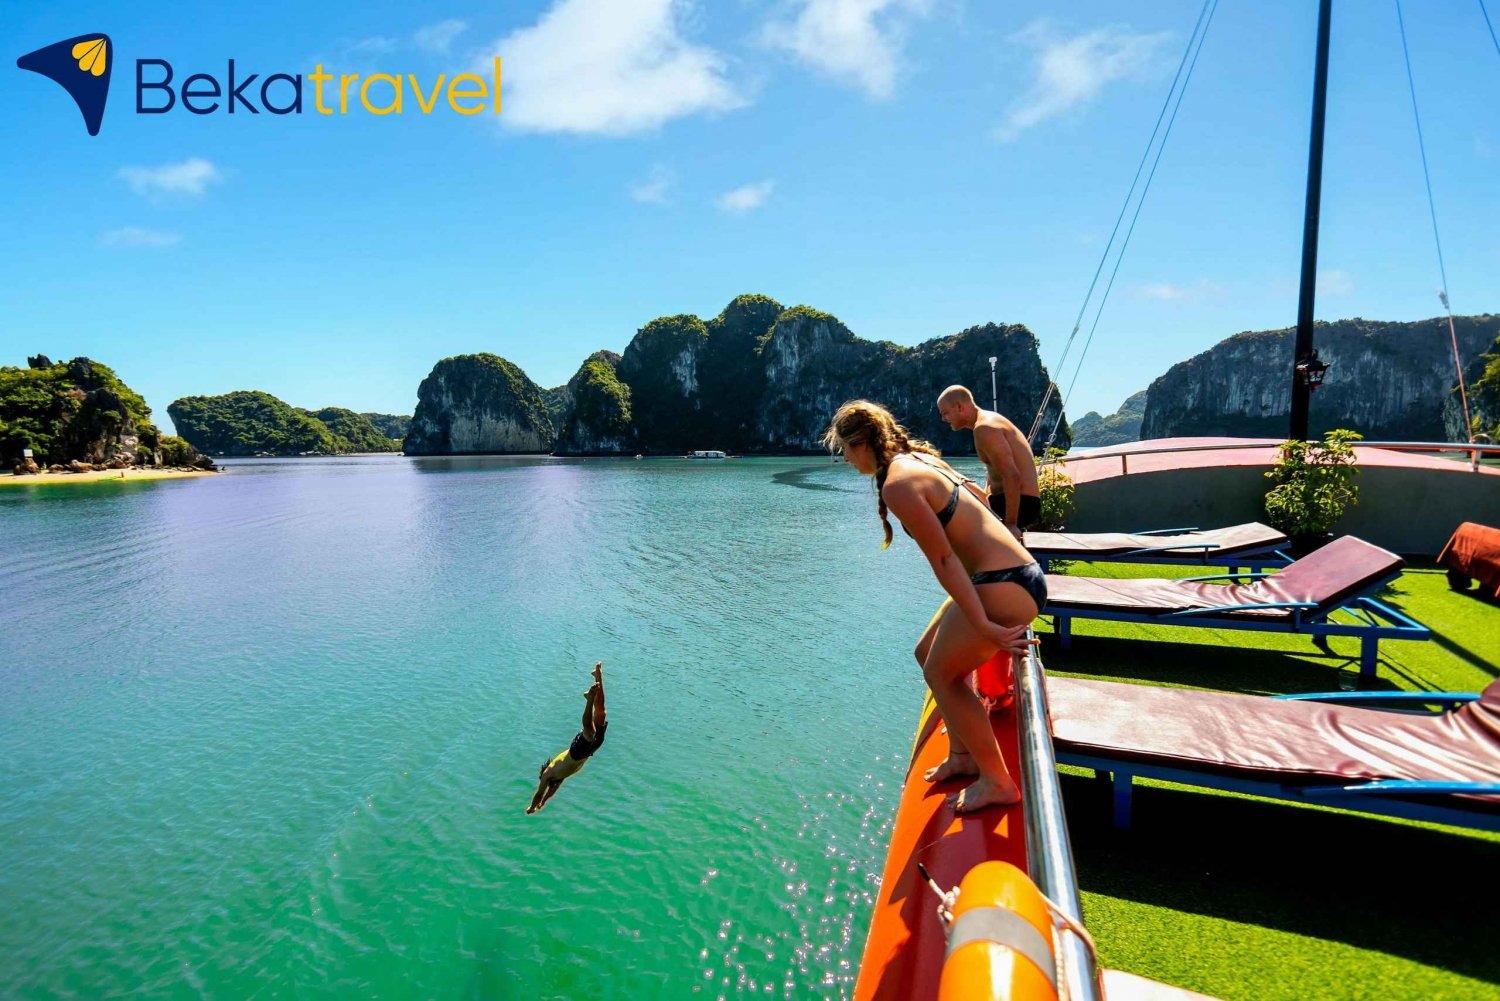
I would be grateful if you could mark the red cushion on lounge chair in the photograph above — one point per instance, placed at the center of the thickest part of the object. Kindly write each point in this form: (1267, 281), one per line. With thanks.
(1292, 742)
(1474, 551)
(1225, 541)
(1327, 577)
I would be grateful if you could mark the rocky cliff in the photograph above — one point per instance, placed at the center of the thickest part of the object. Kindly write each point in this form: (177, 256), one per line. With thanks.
(760, 378)
(813, 363)
(1482, 377)
(479, 403)
(1388, 381)
(1095, 431)
(757, 378)
(80, 414)
(596, 417)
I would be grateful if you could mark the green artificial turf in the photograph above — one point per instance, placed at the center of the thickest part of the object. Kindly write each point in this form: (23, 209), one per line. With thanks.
(1239, 897)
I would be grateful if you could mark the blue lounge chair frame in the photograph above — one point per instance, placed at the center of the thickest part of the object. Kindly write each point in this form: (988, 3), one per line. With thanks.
(1197, 554)
(1383, 797)
(1375, 620)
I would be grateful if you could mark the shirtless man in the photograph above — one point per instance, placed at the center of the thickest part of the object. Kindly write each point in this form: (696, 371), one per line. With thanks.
(1006, 454)
(589, 739)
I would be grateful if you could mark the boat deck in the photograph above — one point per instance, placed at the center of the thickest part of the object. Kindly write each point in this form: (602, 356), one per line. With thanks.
(1240, 898)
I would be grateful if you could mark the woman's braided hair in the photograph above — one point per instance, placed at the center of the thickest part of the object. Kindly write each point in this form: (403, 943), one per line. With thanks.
(860, 422)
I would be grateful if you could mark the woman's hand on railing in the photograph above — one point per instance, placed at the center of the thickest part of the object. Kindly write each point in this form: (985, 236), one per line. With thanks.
(1011, 638)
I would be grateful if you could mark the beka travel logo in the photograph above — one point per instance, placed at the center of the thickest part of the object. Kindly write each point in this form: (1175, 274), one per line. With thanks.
(82, 66)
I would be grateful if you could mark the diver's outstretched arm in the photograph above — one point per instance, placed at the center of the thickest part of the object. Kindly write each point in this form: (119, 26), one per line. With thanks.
(538, 797)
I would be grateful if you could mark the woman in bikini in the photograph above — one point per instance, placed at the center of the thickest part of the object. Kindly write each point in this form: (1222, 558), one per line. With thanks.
(995, 589)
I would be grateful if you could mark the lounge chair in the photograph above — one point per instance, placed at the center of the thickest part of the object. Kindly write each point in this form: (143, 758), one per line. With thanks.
(1253, 546)
(1341, 578)
(1334, 749)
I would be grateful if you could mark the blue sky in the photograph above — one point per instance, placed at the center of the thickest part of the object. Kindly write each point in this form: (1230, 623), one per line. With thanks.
(912, 166)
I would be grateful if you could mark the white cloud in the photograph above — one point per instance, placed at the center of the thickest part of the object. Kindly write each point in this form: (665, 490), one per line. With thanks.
(1335, 282)
(374, 45)
(746, 198)
(439, 37)
(609, 67)
(1163, 290)
(1070, 72)
(1167, 291)
(857, 42)
(654, 189)
(135, 236)
(190, 177)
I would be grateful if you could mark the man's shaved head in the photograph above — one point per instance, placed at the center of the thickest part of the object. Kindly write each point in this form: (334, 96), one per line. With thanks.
(956, 407)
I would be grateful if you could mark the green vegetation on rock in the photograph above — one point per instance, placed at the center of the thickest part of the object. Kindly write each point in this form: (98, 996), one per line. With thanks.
(1094, 431)
(758, 377)
(1389, 381)
(661, 366)
(1483, 378)
(76, 410)
(479, 403)
(251, 422)
(247, 422)
(390, 425)
(355, 432)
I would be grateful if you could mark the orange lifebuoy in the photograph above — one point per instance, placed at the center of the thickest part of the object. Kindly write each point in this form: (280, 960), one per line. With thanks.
(995, 680)
(1000, 944)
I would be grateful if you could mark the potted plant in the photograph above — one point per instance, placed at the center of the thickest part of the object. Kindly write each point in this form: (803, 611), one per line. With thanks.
(1056, 488)
(1314, 487)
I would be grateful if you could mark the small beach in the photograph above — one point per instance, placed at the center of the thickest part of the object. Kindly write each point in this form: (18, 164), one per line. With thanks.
(133, 474)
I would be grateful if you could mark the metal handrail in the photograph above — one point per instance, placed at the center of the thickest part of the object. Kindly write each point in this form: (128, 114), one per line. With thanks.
(1473, 450)
(1049, 855)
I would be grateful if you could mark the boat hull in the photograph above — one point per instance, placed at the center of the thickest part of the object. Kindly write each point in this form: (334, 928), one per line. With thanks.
(903, 956)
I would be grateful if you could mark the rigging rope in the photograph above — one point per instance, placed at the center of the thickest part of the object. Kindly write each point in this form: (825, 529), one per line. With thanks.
(1490, 26)
(1119, 258)
(1124, 206)
(1432, 211)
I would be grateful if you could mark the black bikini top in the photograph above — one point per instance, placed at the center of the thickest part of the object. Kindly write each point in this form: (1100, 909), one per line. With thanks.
(946, 514)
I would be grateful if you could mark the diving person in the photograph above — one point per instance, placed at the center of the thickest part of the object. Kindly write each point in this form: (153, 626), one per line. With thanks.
(995, 589)
(1006, 454)
(589, 739)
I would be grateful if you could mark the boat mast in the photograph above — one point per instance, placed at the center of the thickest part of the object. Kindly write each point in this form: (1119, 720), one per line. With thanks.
(1305, 353)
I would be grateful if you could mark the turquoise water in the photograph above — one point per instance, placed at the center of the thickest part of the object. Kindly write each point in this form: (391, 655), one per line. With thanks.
(271, 734)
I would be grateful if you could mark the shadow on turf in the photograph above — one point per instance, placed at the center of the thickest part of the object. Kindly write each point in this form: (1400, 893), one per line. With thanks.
(1205, 665)
(1466, 655)
(1369, 883)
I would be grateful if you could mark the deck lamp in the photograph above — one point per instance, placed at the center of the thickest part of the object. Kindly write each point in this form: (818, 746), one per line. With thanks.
(1311, 370)
(994, 393)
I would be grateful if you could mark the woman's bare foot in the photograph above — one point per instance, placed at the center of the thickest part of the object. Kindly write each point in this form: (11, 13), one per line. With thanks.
(982, 793)
(957, 764)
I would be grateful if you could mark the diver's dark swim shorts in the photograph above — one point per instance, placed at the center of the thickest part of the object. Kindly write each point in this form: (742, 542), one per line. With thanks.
(1029, 513)
(583, 748)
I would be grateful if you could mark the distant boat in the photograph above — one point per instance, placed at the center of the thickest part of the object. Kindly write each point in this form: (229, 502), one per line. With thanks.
(710, 453)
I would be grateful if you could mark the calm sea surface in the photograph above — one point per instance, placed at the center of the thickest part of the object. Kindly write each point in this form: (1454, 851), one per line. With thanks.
(271, 734)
